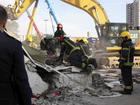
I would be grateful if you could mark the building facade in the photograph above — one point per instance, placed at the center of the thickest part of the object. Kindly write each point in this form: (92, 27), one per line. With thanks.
(133, 14)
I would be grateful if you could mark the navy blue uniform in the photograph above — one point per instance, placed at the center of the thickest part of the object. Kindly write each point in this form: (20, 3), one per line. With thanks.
(14, 86)
(126, 63)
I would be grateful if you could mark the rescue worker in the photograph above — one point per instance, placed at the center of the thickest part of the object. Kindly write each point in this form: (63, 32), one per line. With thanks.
(83, 43)
(59, 34)
(14, 85)
(126, 62)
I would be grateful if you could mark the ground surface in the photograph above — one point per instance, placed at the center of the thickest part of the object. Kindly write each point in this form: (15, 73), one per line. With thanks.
(133, 99)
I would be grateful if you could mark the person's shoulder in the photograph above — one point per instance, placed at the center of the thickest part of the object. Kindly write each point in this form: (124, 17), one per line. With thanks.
(130, 43)
(12, 38)
(64, 33)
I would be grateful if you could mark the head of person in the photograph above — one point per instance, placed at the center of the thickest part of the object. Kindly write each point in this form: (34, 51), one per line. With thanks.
(125, 35)
(3, 17)
(59, 26)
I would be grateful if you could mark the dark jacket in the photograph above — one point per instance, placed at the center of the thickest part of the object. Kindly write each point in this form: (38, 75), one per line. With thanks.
(127, 53)
(14, 86)
(58, 33)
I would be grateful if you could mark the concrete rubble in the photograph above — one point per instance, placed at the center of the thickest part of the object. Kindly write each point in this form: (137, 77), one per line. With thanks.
(74, 87)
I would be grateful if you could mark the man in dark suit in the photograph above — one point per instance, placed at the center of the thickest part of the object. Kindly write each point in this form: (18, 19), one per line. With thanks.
(14, 85)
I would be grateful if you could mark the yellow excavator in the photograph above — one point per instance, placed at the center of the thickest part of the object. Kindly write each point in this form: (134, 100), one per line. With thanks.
(108, 33)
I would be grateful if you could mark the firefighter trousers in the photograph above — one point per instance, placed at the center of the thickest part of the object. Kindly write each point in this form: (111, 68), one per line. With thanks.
(126, 73)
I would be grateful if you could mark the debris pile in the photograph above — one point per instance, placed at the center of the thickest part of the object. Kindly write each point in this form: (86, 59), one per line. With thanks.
(77, 89)
(73, 87)
(136, 78)
(65, 96)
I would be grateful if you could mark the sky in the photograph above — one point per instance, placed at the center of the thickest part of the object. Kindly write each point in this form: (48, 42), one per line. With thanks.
(75, 21)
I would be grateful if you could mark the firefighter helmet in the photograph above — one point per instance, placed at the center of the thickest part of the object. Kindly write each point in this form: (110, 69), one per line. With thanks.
(59, 25)
(125, 34)
(85, 40)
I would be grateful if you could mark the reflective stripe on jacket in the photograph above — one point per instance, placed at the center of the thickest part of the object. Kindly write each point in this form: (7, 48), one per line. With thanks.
(127, 53)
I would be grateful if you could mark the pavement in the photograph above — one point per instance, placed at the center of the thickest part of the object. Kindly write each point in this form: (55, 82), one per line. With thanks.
(133, 99)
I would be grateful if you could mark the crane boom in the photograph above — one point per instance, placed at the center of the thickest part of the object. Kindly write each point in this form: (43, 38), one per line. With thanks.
(105, 29)
(20, 6)
(51, 11)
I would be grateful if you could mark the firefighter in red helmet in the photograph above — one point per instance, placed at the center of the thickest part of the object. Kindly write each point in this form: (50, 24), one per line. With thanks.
(59, 32)
(59, 25)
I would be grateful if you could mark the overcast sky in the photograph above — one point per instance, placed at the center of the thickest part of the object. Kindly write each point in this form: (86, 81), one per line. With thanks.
(75, 21)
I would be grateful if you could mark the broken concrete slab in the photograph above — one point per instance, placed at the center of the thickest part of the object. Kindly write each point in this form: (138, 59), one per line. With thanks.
(38, 86)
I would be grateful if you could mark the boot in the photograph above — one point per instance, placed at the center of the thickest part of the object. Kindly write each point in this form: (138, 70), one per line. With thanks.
(125, 91)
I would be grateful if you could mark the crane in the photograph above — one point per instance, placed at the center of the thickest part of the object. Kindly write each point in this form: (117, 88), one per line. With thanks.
(52, 11)
(20, 6)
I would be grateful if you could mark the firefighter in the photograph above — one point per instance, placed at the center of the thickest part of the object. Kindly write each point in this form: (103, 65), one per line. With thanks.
(126, 62)
(59, 34)
(83, 43)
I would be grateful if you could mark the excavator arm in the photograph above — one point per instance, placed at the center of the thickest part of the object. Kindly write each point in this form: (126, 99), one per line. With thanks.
(107, 32)
(93, 8)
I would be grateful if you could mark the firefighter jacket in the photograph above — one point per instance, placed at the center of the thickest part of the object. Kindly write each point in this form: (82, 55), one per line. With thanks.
(126, 53)
(59, 33)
